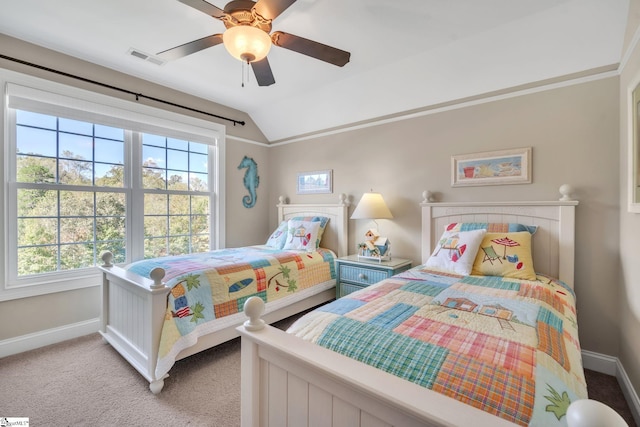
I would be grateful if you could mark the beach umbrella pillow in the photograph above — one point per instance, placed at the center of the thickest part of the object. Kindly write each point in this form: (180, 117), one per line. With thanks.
(505, 255)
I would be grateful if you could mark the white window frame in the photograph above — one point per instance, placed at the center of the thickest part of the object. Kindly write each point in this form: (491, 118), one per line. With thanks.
(34, 94)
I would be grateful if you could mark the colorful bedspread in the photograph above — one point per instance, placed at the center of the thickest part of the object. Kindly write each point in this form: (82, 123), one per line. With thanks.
(211, 285)
(507, 346)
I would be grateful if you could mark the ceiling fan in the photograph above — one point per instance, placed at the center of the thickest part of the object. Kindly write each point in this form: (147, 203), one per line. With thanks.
(247, 36)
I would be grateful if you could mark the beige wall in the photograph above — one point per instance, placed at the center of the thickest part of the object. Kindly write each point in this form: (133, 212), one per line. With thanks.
(25, 316)
(629, 298)
(573, 132)
(246, 226)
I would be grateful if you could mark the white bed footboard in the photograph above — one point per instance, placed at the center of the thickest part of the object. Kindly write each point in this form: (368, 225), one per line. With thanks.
(133, 310)
(288, 381)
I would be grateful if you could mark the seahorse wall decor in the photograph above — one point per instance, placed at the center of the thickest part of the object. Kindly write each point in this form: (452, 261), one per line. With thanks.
(251, 181)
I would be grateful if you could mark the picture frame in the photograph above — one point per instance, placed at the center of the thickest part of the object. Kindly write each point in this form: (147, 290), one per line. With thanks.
(492, 168)
(315, 182)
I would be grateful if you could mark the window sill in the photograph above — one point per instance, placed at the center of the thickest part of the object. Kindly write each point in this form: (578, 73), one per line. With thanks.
(58, 282)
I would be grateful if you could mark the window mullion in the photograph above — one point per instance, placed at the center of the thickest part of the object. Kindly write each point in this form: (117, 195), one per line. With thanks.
(135, 201)
(216, 178)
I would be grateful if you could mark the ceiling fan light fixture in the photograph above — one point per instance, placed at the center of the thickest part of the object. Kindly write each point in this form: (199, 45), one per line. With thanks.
(246, 43)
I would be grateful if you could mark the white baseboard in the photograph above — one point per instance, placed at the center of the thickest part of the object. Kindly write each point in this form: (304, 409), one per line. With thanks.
(50, 336)
(629, 392)
(611, 366)
(600, 362)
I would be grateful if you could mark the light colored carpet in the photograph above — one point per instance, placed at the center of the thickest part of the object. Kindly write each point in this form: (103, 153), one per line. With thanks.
(85, 382)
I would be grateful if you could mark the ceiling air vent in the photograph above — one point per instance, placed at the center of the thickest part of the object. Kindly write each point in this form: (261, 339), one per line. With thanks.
(145, 56)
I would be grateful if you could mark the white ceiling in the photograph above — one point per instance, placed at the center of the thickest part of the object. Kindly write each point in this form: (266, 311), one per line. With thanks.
(405, 54)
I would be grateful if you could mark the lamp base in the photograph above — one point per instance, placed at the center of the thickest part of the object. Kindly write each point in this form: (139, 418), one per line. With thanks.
(375, 258)
(378, 249)
(378, 253)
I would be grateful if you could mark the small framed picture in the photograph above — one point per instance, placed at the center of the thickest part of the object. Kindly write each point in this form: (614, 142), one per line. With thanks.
(492, 168)
(315, 182)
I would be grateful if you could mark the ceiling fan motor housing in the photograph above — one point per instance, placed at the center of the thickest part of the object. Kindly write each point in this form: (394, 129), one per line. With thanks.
(240, 12)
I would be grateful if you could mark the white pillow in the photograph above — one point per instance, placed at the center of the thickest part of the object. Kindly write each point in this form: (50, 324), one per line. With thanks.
(302, 235)
(456, 251)
(277, 238)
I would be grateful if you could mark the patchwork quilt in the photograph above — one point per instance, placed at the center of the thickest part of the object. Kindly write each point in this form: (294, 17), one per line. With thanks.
(506, 346)
(211, 285)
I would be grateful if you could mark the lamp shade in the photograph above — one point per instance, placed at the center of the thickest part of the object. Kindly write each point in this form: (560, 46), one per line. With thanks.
(246, 43)
(371, 206)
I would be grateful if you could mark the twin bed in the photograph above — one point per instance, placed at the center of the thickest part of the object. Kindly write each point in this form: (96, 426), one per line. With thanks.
(158, 311)
(431, 346)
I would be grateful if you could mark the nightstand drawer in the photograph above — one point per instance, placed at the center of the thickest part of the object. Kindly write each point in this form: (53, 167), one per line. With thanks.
(347, 288)
(365, 276)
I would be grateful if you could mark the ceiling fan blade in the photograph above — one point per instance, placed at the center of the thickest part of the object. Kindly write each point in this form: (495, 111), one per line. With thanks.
(205, 7)
(310, 48)
(191, 47)
(262, 71)
(270, 9)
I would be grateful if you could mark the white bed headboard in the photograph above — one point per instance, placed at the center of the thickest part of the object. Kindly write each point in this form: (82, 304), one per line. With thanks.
(553, 243)
(336, 234)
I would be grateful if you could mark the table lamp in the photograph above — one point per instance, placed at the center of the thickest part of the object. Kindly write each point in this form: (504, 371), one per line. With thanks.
(372, 206)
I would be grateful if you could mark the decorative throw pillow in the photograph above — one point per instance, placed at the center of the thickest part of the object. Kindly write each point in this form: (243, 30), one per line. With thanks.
(302, 235)
(278, 237)
(491, 227)
(506, 255)
(323, 220)
(456, 251)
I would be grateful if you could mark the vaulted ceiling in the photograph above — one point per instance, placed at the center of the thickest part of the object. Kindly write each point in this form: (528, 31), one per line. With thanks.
(405, 55)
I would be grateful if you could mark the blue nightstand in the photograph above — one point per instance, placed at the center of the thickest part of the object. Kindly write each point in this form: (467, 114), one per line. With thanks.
(355, 273)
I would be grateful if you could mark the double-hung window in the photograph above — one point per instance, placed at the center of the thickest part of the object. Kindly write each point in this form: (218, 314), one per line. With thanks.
(175, 183)
(90, 175)
(69, 192)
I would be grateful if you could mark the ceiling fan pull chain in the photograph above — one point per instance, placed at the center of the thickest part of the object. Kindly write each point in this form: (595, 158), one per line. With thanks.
(242, 73)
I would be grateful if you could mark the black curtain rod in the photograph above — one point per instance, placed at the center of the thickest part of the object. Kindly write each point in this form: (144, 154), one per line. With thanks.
(137, 95)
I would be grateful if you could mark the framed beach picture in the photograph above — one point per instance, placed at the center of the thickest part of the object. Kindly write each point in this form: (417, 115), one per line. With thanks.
(492, 168)
(315, 182)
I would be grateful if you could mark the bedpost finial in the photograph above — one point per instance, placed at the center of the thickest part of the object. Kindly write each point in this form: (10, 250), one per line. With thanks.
(427, 196)
(343, 201)
(107, 258)
(157, 274)
(565, 190)
(282, 200)
(253, 309)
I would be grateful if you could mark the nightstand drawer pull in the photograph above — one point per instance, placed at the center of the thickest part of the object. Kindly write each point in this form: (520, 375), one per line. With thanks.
(359, 275)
